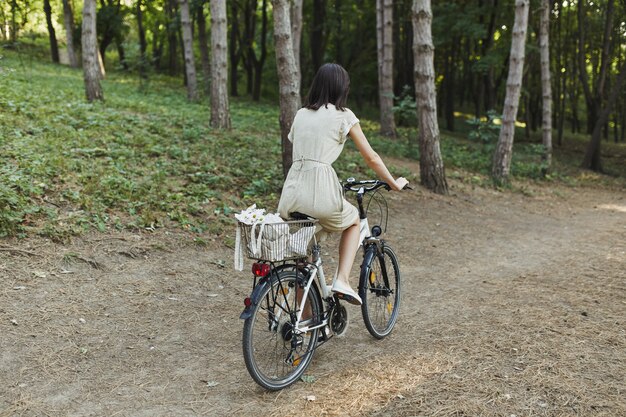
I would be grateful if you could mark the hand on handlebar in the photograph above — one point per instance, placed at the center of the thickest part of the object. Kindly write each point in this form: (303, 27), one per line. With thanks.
(400, 183)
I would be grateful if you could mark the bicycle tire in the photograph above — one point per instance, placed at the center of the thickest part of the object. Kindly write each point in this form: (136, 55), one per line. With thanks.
(268, 340)
(380, 296)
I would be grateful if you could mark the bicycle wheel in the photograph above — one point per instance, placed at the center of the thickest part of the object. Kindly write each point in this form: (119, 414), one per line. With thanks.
(380, 291)
(275, 355)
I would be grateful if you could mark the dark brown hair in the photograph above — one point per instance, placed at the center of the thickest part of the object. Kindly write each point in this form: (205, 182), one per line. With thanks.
(330, 85)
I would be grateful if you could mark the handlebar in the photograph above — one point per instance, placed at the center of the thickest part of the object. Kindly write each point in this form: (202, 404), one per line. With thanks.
(352, 184)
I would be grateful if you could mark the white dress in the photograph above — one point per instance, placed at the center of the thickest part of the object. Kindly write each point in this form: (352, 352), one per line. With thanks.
(312, 186)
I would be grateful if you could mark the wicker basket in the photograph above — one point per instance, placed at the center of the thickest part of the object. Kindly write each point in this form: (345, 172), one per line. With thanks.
(275, 242)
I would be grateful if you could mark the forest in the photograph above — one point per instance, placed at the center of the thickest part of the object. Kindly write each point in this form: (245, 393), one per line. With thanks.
(579, 87)
(132, 131)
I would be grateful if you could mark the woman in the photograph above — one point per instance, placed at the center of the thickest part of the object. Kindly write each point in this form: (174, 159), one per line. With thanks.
(318, 134)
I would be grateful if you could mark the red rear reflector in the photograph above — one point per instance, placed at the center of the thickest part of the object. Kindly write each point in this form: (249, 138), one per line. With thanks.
(260, 270)
(247, 302)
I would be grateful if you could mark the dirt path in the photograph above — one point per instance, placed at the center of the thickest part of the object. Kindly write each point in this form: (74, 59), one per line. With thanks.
(513, 305)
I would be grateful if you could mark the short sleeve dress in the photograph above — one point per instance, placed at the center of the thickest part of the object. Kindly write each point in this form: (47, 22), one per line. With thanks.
(312, 186)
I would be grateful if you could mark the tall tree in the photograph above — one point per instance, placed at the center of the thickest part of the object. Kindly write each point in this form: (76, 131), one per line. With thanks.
(203, 43)
(318, 36)
(54, 47)
(592, 156)
(235, 50)
(91, 66)
(595, 95)
(68, 19)
(432, 173)
(220, 113)
(190, 64)
(289, 81)
(544, 50)
(296, 30)
(172, 36)
(504, 150)
(143, 46)
(384, 29)
(258, 62)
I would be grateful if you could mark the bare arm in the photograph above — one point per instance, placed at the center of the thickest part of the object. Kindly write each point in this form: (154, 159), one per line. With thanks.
(373, 160)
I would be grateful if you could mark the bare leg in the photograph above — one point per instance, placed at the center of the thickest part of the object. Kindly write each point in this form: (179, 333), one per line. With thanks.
(348, 247)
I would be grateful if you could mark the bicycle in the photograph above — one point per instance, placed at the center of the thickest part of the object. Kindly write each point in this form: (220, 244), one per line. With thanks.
(278, 343)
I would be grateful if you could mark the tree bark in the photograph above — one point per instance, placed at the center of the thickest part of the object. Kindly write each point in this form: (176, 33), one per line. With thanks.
(504, 150)
(54, 46)
(432, 173)
(384, 17)
(296, 30)
(91, 67)
(289, 81)
(172, 41)
(544, 50)
(249, 17)
(190, 64)
(220, 113)
(203, 44)
(68, 19)
(14, 27)
(143, 46)
(234, 48)
(259, 62)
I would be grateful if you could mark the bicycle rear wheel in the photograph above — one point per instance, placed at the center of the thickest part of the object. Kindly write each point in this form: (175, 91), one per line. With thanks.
(380, 291)
(275, 354)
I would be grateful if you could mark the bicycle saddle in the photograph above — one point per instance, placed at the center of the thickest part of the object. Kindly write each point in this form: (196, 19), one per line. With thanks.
(296, 215)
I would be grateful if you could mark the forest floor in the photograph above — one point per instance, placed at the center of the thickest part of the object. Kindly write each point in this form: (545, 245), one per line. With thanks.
(514, 304)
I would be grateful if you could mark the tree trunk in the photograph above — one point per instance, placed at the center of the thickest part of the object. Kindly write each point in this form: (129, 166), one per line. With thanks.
(592, 156)
(190, 64)
(296, 30)
(249, 17)
(384, 25)
(172, 38)
(544, 50)
(121, 53)
(203, 44)
(504, 150)
(593, 98)
(234, 50)
(68, 18)
(289, 81)
(260, 62)
(318, 40)
(432, 173)
(54, 46)
(91, 67)
(13, 34)
(142, 40)
(220, 113)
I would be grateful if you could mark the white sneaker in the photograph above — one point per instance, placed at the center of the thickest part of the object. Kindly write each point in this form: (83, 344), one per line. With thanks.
(346, 293)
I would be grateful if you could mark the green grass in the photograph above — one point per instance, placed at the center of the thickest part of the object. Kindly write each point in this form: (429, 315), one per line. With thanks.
(148, 158)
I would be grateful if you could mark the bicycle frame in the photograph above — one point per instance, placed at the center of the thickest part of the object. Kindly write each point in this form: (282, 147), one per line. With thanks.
(318, 270)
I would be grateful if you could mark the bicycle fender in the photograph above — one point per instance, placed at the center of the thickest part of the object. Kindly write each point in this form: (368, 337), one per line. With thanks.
(254, 298)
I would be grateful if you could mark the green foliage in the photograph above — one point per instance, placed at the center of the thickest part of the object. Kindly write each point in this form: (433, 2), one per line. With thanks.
(148, 158)
(405, 108)
(485, 130)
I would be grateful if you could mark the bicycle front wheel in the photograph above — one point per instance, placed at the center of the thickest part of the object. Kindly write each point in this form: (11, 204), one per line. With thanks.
(380, 291)
(276, 355)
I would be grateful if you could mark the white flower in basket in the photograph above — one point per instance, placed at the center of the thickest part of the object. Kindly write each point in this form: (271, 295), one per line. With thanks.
(269, 236)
